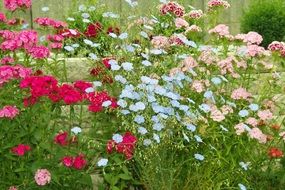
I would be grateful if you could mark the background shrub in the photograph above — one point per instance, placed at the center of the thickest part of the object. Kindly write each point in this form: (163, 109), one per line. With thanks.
(266, 17)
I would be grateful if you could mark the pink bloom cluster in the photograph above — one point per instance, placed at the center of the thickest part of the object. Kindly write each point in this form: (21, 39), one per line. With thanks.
(9, 112)
(189, 63)
(172, 7)
(12, 5)
(257, 134)
(39, 52)
(226, 66)
(265, 115)
(181, 23)
(7, 60)
(42, 177)
(77, 162)
(195, 14)
(21, 149)
(277, 47)
(193, 28)
(13, 40)
(216, 114)
(45, 21)
(255, 50)
(126, 147)
(160, 42)
(221, 30)
(8, 73)
(253, 38)
(218, 3)
(240, 94)
(2, 17)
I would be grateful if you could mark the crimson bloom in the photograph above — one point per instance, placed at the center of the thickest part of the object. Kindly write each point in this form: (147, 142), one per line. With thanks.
(67, 161)
(93, 29)
(21, 149)
(61, 138)
(79, 162)
(275, 153)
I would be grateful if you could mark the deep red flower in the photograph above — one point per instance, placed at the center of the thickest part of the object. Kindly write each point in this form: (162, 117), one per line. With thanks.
(69, 94)
(105, 61)
(110, 146)
(67, 161)
(61, 138)
(82, 85)
(114, 30)
(93, 29)
(79, 162)
(275, 153)
(21, 149)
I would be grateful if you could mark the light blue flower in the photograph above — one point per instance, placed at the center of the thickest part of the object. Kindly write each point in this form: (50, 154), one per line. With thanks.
(43, 38)
(140, 106)
(155, 119)
(191, 127)
(69, 48)
(146, 63)
(85, 15)
(242, 187)
(148, 27)
(205, 108)
(97, 83)
(172, 95)
(125, 112)
(142, 130)
(106, 103)
(139, 119)
(163, 116)
(120, 79)
(208, 94)
(92, 8)
(159, 90)
(75, 45)
(151, 98)
(198, 138)
(110, 15)
(199, 157)
(216, 80)
(82, 8)
(89, 90)
(144, 34)
(156, 138)
(123, 36)
(147, 142)
(129, 48)
(117, 138)
(102, 162)
(184, 108)
(253, 107)
(148, 80)
(122, 103)
(243, 113)
(244, 165)
(93, 56)
(157, 51)
(175, 103)
(158, 126)
(76, 130)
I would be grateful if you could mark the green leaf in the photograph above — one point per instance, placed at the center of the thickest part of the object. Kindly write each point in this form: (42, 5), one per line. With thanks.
(114, 188)
(125, 176)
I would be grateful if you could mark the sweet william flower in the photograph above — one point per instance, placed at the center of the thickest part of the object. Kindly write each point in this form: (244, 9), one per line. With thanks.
(61, 138)
(12, 5)
(9, 112)
(275, 153)
(42, 177)
(12, 188)
(21, 149)
(67, 161)
(79, 162)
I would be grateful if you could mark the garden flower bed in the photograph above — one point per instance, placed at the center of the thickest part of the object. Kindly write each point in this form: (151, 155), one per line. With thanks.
(169, 101)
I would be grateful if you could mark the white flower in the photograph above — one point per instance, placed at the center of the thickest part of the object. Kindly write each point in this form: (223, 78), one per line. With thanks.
(122, 103)
(92, 8)
(127, 66)
(97, 83)
(93, 56)
(102, 162)
(241, 186)
(82, 8)
(85, 15)
(70, 19)
(106, 103)
(199, 157)
(75, 45)
(144, 34)
(142, 130)
(156, 138)
(117, 138)
(86, 20)
(147, 142)
(89, 90)
(76, 130)
(45, 9)
(146, 63)
(69, 48)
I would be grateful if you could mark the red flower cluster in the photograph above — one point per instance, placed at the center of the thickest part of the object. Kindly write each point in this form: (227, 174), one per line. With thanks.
(45, 21)
(8, 73)
(12, 5)
(77, 162)
(126, 147)
(93, 29)
(2, 17)
(275, 153)
(47, 86)
(61, 138)
(173, 8)
(21, 149)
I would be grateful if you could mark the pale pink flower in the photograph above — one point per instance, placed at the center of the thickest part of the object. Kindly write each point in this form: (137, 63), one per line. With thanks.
(253, 38)
(257, 134)
(193, 28)
(160, 42)
(195, 14)
(198, 86)
(13, 188)
(255, 50)
(181, 23)
(226, 65)
(9, 112)
(207, 57)
(265, 115)
(252, 121)
(189, 63)
(217, 115)
(242, 64)
(240, 94)
(240, 37)
(218, 3)
(226, 109)
(42, 177)
(221, 30)
(240, 128)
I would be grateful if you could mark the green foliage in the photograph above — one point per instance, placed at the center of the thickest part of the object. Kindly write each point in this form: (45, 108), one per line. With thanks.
(267, 17)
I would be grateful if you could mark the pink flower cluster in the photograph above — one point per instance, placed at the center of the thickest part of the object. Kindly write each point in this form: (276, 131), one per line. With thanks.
(172, 7)
(216, 114)
(257, 134)
(13, 40)
(218, 3)
(2, 17)
(12, 5)
(8, 73)
(277, 47)
(195, 14)
(160, 42)
(255, 50)
(42, 177)
(77, 162)
(253, 38)
(265, 115)
(181, 23)
(9, 112)
(126, 147)
(45, 21)
(39, 52)
(221, 30)
(7, 60)
(240, 94)
(21, 149)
